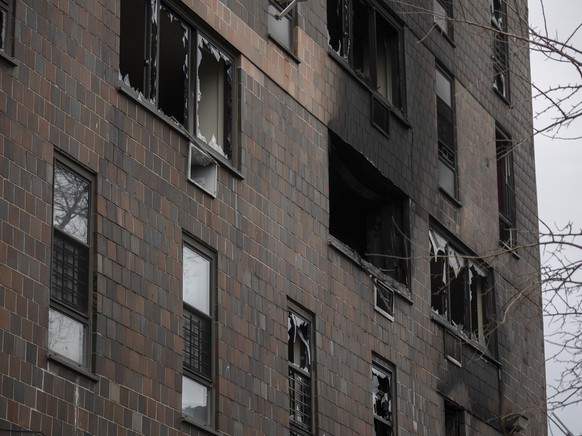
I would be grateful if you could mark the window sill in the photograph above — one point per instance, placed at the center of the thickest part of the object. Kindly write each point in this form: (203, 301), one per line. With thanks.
(398, 288)
(286, 49)
(143, 102)
(8, 60)
(63, 361)
(450, 197)
(481, 349)
(199, 426)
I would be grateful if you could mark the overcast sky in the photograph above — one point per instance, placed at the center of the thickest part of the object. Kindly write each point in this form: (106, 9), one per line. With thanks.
(558, 162)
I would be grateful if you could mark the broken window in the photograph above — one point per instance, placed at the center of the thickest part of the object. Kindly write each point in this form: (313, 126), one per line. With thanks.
(300, 354)
(370, 42)
(383, 396)
(367, 212)
(197, 284)
(6, 25)
(460, 289)
(500, 48)
(442, 15)
(505, 190)
(170, 63)
(454, 420)
(69, 320)
(446, 134)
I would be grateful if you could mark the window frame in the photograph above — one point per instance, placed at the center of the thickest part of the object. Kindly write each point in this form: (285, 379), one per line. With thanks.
(445, 15)
(7, 29)
(370, 12)
(294, 370)
(477, 301)
(388, 369)
(200, 40)
(506, 198)
(447, 153)
(275, 7)
(206, 381)
(454, 417)
(501, 81)
(80, 313)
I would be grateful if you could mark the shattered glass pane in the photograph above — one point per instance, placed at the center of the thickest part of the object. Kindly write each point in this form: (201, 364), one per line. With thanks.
(382, 394)
(299, 336)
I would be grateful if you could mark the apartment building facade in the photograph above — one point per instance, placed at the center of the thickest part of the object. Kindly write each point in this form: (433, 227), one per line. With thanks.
(268, 218)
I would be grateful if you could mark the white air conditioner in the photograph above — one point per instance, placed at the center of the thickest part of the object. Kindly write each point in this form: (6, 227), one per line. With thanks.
(202, 170)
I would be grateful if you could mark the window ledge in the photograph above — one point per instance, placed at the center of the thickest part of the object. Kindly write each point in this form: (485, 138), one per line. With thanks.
(399, 289)
(481, 349)
(199, 426)
(450, 197)
(286, 49)
(8, 60)
(63, 361)
(143, 102)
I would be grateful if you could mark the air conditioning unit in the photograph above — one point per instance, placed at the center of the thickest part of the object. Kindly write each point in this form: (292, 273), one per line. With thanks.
(202, 170)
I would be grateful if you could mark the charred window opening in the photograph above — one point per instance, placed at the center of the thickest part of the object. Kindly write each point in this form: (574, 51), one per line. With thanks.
(505, 190)
(367, 212)
(460, 289)
(442, 16)
(170, 63)
(383, 396)
(69, 320)
(300, 354)
(197, 284)
(500, 48)
(446, 134)
(454, 420)
(370, 42)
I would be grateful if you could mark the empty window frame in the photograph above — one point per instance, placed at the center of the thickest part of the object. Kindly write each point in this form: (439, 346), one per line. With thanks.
(367, 212)
(461, 290)
(300, 355)
(500, 47)
(383, 398)
(446, 133)
(282, 29)
(454, 420)
(197, 294)
(370, 41)
(6, 26)
(180, 70)
(505, 190)
(69, 331)
(442, 16)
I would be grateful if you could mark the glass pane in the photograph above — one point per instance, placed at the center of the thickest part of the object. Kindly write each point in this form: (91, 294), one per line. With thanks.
(197, 344)
(299, 341)
(443, 88)
(281, 30)
(386, 60)
(440, 16)
(3, 17)
(195, 400)
(381, 394)
(71, 204)
(196, 280)
(70, 272)
(447, 178)
(66, 336)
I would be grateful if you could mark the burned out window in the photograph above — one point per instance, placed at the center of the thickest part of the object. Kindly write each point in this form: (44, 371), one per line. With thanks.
(500, 47)
(370, 41)
(461, 289)
(443, 10)
(446, 134)
(367, 212)
(6, 26)
(505, 190)
(180, 70)
(454, 420)
(383, 398)
(300, 354)
(197, 381)
(69, 313)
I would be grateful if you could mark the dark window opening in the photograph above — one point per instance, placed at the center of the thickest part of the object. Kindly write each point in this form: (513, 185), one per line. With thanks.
(165, 59)
(454, 420)
(506, 191)
(500, 48)
(367, 212)
(460, 289)
(370, 43)
(446, 134)
(383, 396)
(300, 355)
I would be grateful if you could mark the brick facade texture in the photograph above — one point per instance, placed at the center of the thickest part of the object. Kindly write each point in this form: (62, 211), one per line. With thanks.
(269, 226)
